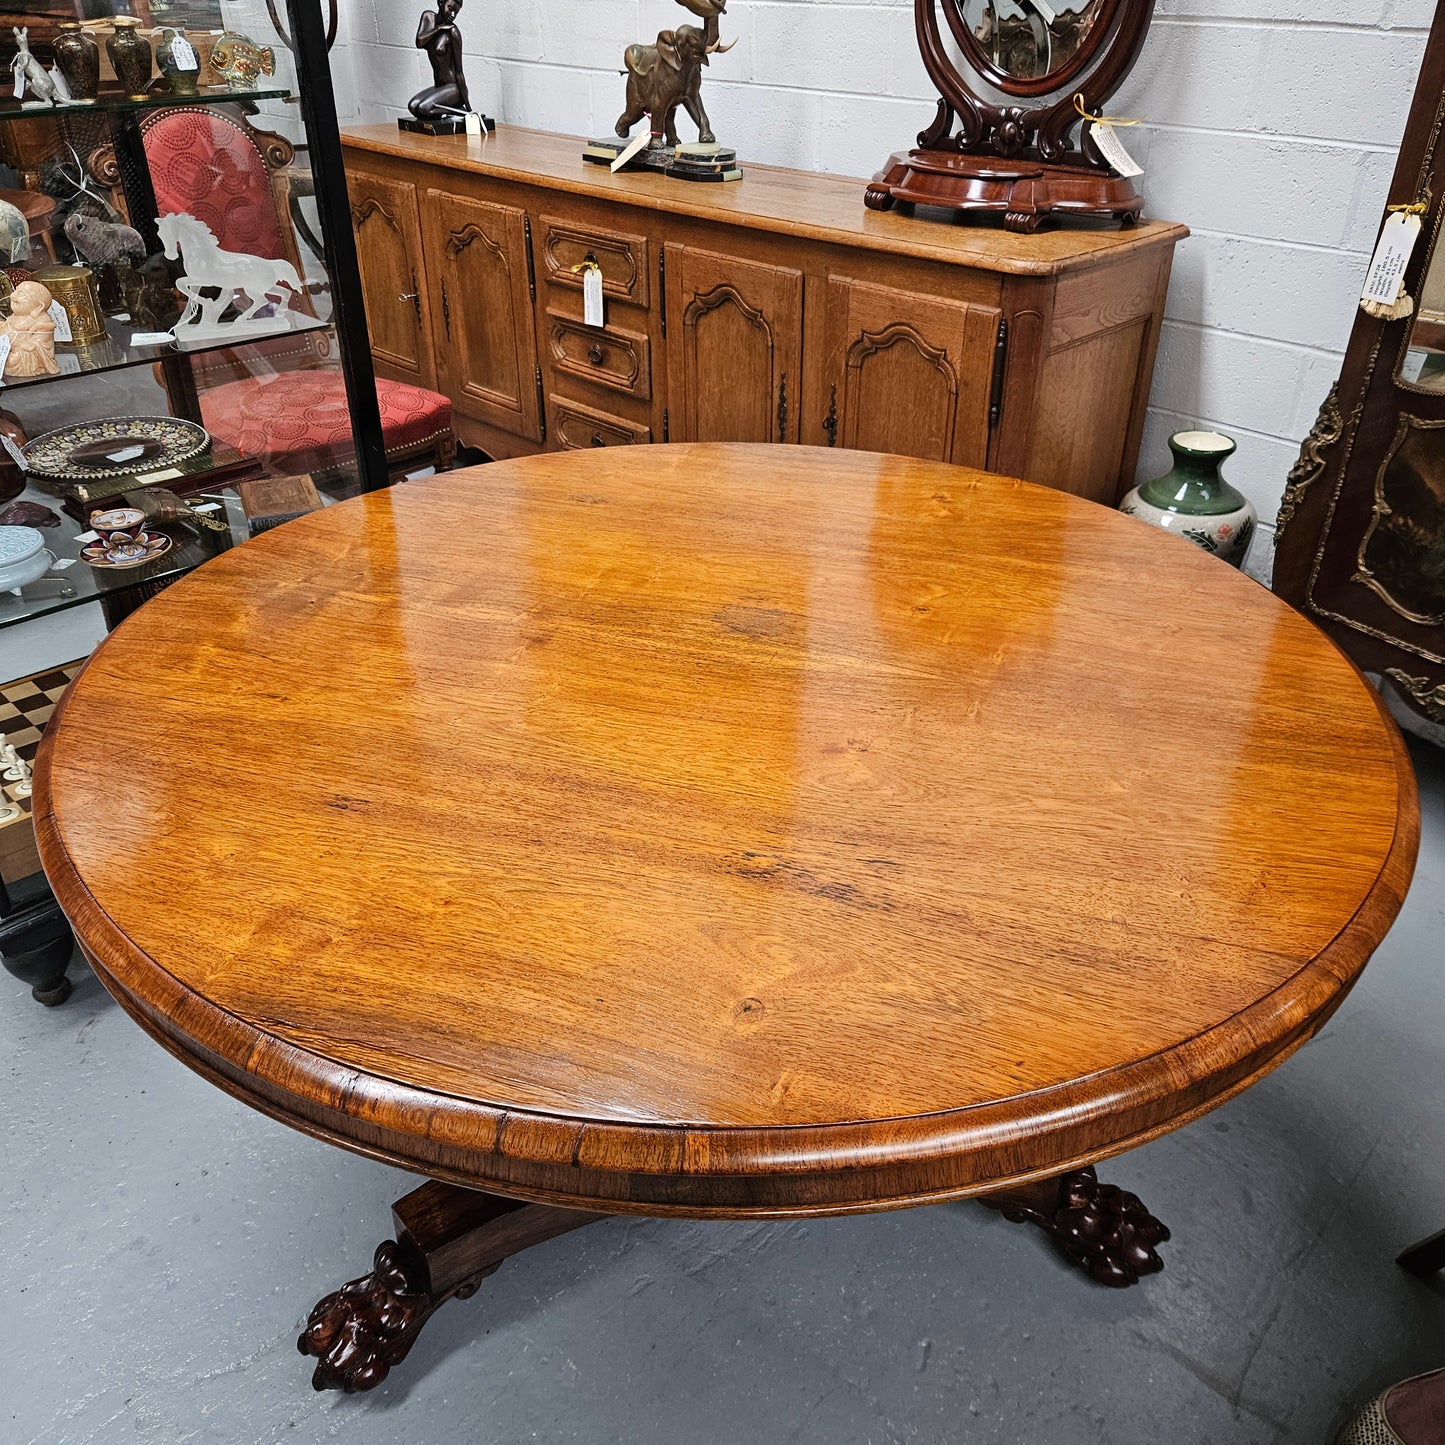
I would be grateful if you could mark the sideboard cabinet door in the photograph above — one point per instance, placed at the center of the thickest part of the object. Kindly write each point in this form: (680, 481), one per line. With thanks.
(482, 310)
(386, 216)
(734, 348)
(910, 374)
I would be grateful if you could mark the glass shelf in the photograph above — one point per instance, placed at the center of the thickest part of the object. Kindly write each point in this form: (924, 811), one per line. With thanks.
(116, 101)
(119, 351)
(73, 583)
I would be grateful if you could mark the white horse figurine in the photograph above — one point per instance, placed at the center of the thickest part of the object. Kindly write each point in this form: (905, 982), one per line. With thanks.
(230, 274)
(38, 83)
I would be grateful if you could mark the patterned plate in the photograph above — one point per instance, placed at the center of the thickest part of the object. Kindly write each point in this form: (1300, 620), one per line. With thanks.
(118, 447)
(151, 546)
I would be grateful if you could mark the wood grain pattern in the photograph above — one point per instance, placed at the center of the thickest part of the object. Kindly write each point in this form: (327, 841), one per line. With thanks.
(794, 203)
(386, 216)
(726, 830)
(899, 351)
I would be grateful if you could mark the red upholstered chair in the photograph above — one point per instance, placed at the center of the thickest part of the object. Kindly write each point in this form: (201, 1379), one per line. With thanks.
(280, 404)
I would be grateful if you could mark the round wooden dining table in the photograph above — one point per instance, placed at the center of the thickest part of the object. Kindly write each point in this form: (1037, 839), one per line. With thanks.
(722, 832)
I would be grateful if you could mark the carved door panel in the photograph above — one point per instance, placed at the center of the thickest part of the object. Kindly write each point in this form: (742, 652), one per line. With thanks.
(387, 219)
(909, 373)
(481, 301)
(734, 348)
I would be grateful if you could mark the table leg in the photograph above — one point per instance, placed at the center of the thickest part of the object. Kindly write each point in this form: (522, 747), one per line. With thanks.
(1425, 1258)
(1104, 1230)
(448, 1240)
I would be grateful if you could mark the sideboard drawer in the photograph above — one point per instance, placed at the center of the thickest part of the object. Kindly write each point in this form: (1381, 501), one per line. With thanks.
(577, 427)
(605, 356)
(622, 257)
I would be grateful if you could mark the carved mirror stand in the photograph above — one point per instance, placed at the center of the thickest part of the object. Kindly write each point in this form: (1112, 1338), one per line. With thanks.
(1039, 74)
(1362, 525)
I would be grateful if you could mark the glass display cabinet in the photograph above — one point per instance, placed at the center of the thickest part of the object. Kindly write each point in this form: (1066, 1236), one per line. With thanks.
(184, 358)
(182, 313)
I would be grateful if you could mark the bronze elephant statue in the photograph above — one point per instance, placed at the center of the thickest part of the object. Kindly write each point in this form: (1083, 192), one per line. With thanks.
(664, 76)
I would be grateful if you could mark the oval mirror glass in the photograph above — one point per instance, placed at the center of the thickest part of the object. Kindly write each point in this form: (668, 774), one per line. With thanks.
(1028, 40)
(1424, 363)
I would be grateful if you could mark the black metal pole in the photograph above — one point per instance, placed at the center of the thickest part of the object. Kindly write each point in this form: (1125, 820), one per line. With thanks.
(323, 138)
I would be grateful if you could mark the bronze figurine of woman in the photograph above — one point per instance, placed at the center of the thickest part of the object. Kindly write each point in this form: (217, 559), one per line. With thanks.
(438, 35)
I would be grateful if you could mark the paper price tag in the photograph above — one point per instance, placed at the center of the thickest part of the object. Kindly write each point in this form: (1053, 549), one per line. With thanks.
(593, 310)
(183, 53)
(63, 563)
(474, 123)
(151, 338)
(61, 318)
(639, 144)
(86, 537)
(6, 342)
(207, 507)
(126, 454)
(19, 85)
(1386, 277)
(62, 88)
(16, 455)
(1106, 138)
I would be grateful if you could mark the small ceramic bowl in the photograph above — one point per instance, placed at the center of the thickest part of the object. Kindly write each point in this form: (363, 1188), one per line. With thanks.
(23, 557)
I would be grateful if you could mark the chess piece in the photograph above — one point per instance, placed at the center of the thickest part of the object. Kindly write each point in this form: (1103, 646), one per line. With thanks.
(442, 108)
(32, 333)
(15, 770)
(23, 788)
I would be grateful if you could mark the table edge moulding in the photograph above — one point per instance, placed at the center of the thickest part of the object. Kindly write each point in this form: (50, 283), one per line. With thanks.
(775, 308)
(626, 1146)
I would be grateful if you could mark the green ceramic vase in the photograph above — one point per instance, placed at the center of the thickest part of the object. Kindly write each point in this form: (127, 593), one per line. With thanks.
(1193, 500)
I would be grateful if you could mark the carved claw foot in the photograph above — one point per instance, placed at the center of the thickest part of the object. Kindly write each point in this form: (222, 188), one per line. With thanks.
(1104, 1230)
(358, 1334)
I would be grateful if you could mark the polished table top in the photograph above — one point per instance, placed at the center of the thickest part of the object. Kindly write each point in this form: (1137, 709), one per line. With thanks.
(726, 830)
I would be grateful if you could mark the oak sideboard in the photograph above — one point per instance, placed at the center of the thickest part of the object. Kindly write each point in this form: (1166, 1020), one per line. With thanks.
(771, 309)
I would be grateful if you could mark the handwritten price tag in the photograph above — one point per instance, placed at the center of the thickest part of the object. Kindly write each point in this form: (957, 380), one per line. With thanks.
(1386, 277)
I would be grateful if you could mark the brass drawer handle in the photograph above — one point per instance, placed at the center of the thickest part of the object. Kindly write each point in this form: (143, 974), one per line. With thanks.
(596, 355)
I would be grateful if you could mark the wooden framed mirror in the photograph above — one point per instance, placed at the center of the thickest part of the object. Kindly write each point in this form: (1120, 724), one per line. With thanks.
(988, 150)
(1361, 542)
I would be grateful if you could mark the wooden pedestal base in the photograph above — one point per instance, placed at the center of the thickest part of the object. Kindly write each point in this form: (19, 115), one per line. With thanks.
(1025, 192)
(448, 1240)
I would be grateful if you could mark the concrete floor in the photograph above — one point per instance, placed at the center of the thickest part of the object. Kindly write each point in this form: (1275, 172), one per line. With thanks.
(164, 1243)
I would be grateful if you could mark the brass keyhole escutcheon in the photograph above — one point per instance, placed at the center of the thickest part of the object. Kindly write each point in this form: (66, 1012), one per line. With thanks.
(596, 355)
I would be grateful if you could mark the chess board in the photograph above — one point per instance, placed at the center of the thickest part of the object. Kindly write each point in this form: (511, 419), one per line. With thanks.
(25, 708)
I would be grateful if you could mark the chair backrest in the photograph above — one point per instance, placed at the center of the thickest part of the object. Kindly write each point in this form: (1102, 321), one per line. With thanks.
(213, 164)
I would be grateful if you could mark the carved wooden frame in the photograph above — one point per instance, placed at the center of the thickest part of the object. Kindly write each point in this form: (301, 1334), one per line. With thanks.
(1333, 504)
(1018, 159)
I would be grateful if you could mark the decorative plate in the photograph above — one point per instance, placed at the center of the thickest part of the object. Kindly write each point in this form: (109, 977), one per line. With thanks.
(152, 545)
(117, 447)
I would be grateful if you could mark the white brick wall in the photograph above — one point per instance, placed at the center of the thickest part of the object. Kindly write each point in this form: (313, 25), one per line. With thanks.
(1273, 139)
